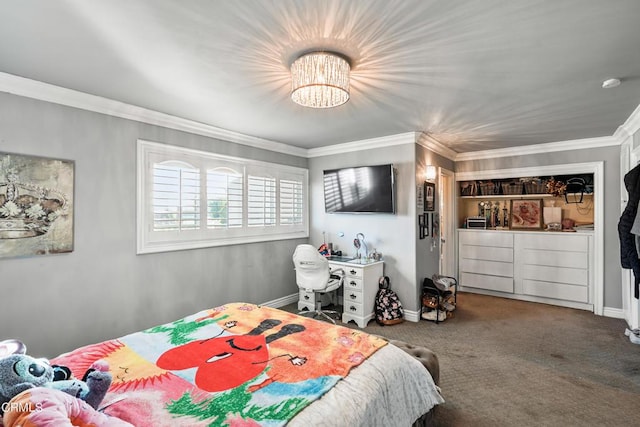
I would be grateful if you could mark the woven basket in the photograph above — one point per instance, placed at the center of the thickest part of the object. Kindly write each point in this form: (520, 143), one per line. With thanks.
(487, 188)
(468, 188)
(535, 187)
(511, 188)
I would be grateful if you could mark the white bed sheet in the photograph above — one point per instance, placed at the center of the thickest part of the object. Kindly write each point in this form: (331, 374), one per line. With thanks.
(390, 389)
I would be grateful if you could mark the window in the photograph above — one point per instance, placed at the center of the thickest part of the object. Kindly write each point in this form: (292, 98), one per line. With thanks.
(193, 199)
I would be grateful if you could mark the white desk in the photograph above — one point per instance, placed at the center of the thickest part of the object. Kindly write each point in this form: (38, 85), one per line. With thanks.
(360, 288)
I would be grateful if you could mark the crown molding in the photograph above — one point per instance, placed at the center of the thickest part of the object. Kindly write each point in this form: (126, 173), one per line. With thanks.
(365, 144)
(430, 143)
(28, 88)
(576, 144)
(630, 126)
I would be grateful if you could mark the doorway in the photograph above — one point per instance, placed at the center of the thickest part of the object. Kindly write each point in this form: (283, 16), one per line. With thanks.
(447, 223)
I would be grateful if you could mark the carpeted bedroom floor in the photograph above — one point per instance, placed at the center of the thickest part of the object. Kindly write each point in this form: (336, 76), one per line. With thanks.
(513, 363)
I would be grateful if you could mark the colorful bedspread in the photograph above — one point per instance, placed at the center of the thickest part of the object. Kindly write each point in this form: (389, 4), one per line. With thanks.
(237, 365)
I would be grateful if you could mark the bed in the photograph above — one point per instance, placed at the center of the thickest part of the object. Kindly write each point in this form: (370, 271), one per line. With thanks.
(243, 365)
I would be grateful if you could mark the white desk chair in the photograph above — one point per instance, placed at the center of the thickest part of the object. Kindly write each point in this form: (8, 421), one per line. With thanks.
(313, 275)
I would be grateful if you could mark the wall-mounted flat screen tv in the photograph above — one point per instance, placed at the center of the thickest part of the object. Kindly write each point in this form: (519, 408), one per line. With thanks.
(363, 189)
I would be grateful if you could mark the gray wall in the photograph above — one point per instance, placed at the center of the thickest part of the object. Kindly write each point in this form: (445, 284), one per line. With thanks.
(103, 289)
(428, 258)
(393, 235)
(611, 158)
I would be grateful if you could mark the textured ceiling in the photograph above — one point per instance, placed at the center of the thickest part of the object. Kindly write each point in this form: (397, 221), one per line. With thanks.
(474, 75)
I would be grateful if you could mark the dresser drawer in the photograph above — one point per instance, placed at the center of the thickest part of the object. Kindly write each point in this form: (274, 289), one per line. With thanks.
(561, 291)
(486, 253)
(553, 258)
(353, 308)
(573, 276)
(353, 283)
(486, 267)
(554, 242)
(492, 283)
(496, 239)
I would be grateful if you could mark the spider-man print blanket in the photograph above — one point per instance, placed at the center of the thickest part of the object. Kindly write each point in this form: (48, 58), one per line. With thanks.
(236, 365)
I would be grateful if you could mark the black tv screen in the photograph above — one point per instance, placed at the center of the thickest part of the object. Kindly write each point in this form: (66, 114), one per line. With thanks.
(364, 189)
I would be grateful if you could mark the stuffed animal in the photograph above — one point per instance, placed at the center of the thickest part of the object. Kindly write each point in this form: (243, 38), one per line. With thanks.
(34, 393)
(20, 372)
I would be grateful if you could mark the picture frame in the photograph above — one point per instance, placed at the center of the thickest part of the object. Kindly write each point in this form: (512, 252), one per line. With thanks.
(36, 205)
(525, 214)
(429, 196)
(423, 225)
(420, 197)
(435, 225)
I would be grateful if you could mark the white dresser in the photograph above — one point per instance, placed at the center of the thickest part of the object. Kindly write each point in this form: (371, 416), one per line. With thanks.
(486, 261)
(554, 268)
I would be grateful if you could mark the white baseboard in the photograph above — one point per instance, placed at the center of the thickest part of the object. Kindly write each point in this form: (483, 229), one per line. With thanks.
(613, 312)
(412, 316)
(281, 302)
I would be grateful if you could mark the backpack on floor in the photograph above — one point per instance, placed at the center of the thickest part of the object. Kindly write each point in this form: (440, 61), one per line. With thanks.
(388, 309)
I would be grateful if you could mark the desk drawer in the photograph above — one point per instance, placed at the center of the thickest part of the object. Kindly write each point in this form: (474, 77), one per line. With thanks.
(307, 297)
(353, 308)
(351, 283)
(351, 295)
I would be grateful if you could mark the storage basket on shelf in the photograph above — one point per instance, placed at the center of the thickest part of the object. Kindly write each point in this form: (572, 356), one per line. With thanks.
(511, 187)
(487, 188)
(468, 188)
(535, 187)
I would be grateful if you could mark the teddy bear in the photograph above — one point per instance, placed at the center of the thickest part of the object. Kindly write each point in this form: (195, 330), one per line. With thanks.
(19, 372)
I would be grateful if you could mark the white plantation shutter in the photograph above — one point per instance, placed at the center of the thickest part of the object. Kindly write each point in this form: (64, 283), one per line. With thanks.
(193, 199)
(261, 208)
(224, 198)
(176, 197)
(291, 202)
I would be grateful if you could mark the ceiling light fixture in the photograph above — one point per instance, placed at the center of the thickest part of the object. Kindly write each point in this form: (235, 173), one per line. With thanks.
(320, 80)
(607, 84)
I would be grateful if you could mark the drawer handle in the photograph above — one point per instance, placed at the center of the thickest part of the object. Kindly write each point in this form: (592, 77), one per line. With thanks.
(306, 297)
(352, 283)
(353, 296)
(352, 271)
(352, 308)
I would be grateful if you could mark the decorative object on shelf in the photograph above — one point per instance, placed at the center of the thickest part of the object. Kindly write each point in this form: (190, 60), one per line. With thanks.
(568, 224)
(534, 185)
(468, 188)
(429, 196)
(556, 188)
(511, 187)
(575, 186)
(487, 188)
(36, 205)
(320, 80)
(526, 214)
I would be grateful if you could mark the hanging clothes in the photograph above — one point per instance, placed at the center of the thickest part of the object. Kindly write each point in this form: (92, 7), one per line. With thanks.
(629, 228)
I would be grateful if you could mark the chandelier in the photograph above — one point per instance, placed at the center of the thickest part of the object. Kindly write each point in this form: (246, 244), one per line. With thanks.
(320, 80)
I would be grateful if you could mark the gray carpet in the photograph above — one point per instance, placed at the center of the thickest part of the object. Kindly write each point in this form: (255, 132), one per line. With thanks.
(513, 363)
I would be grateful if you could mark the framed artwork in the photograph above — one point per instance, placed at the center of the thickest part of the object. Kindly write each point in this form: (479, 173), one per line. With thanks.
(526, 214)
(423, 225)
(435, 225)
(420, 196)
(36, 205)
(429, 196)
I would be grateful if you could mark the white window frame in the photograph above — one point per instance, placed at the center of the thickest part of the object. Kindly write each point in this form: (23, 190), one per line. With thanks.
(149, 241)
